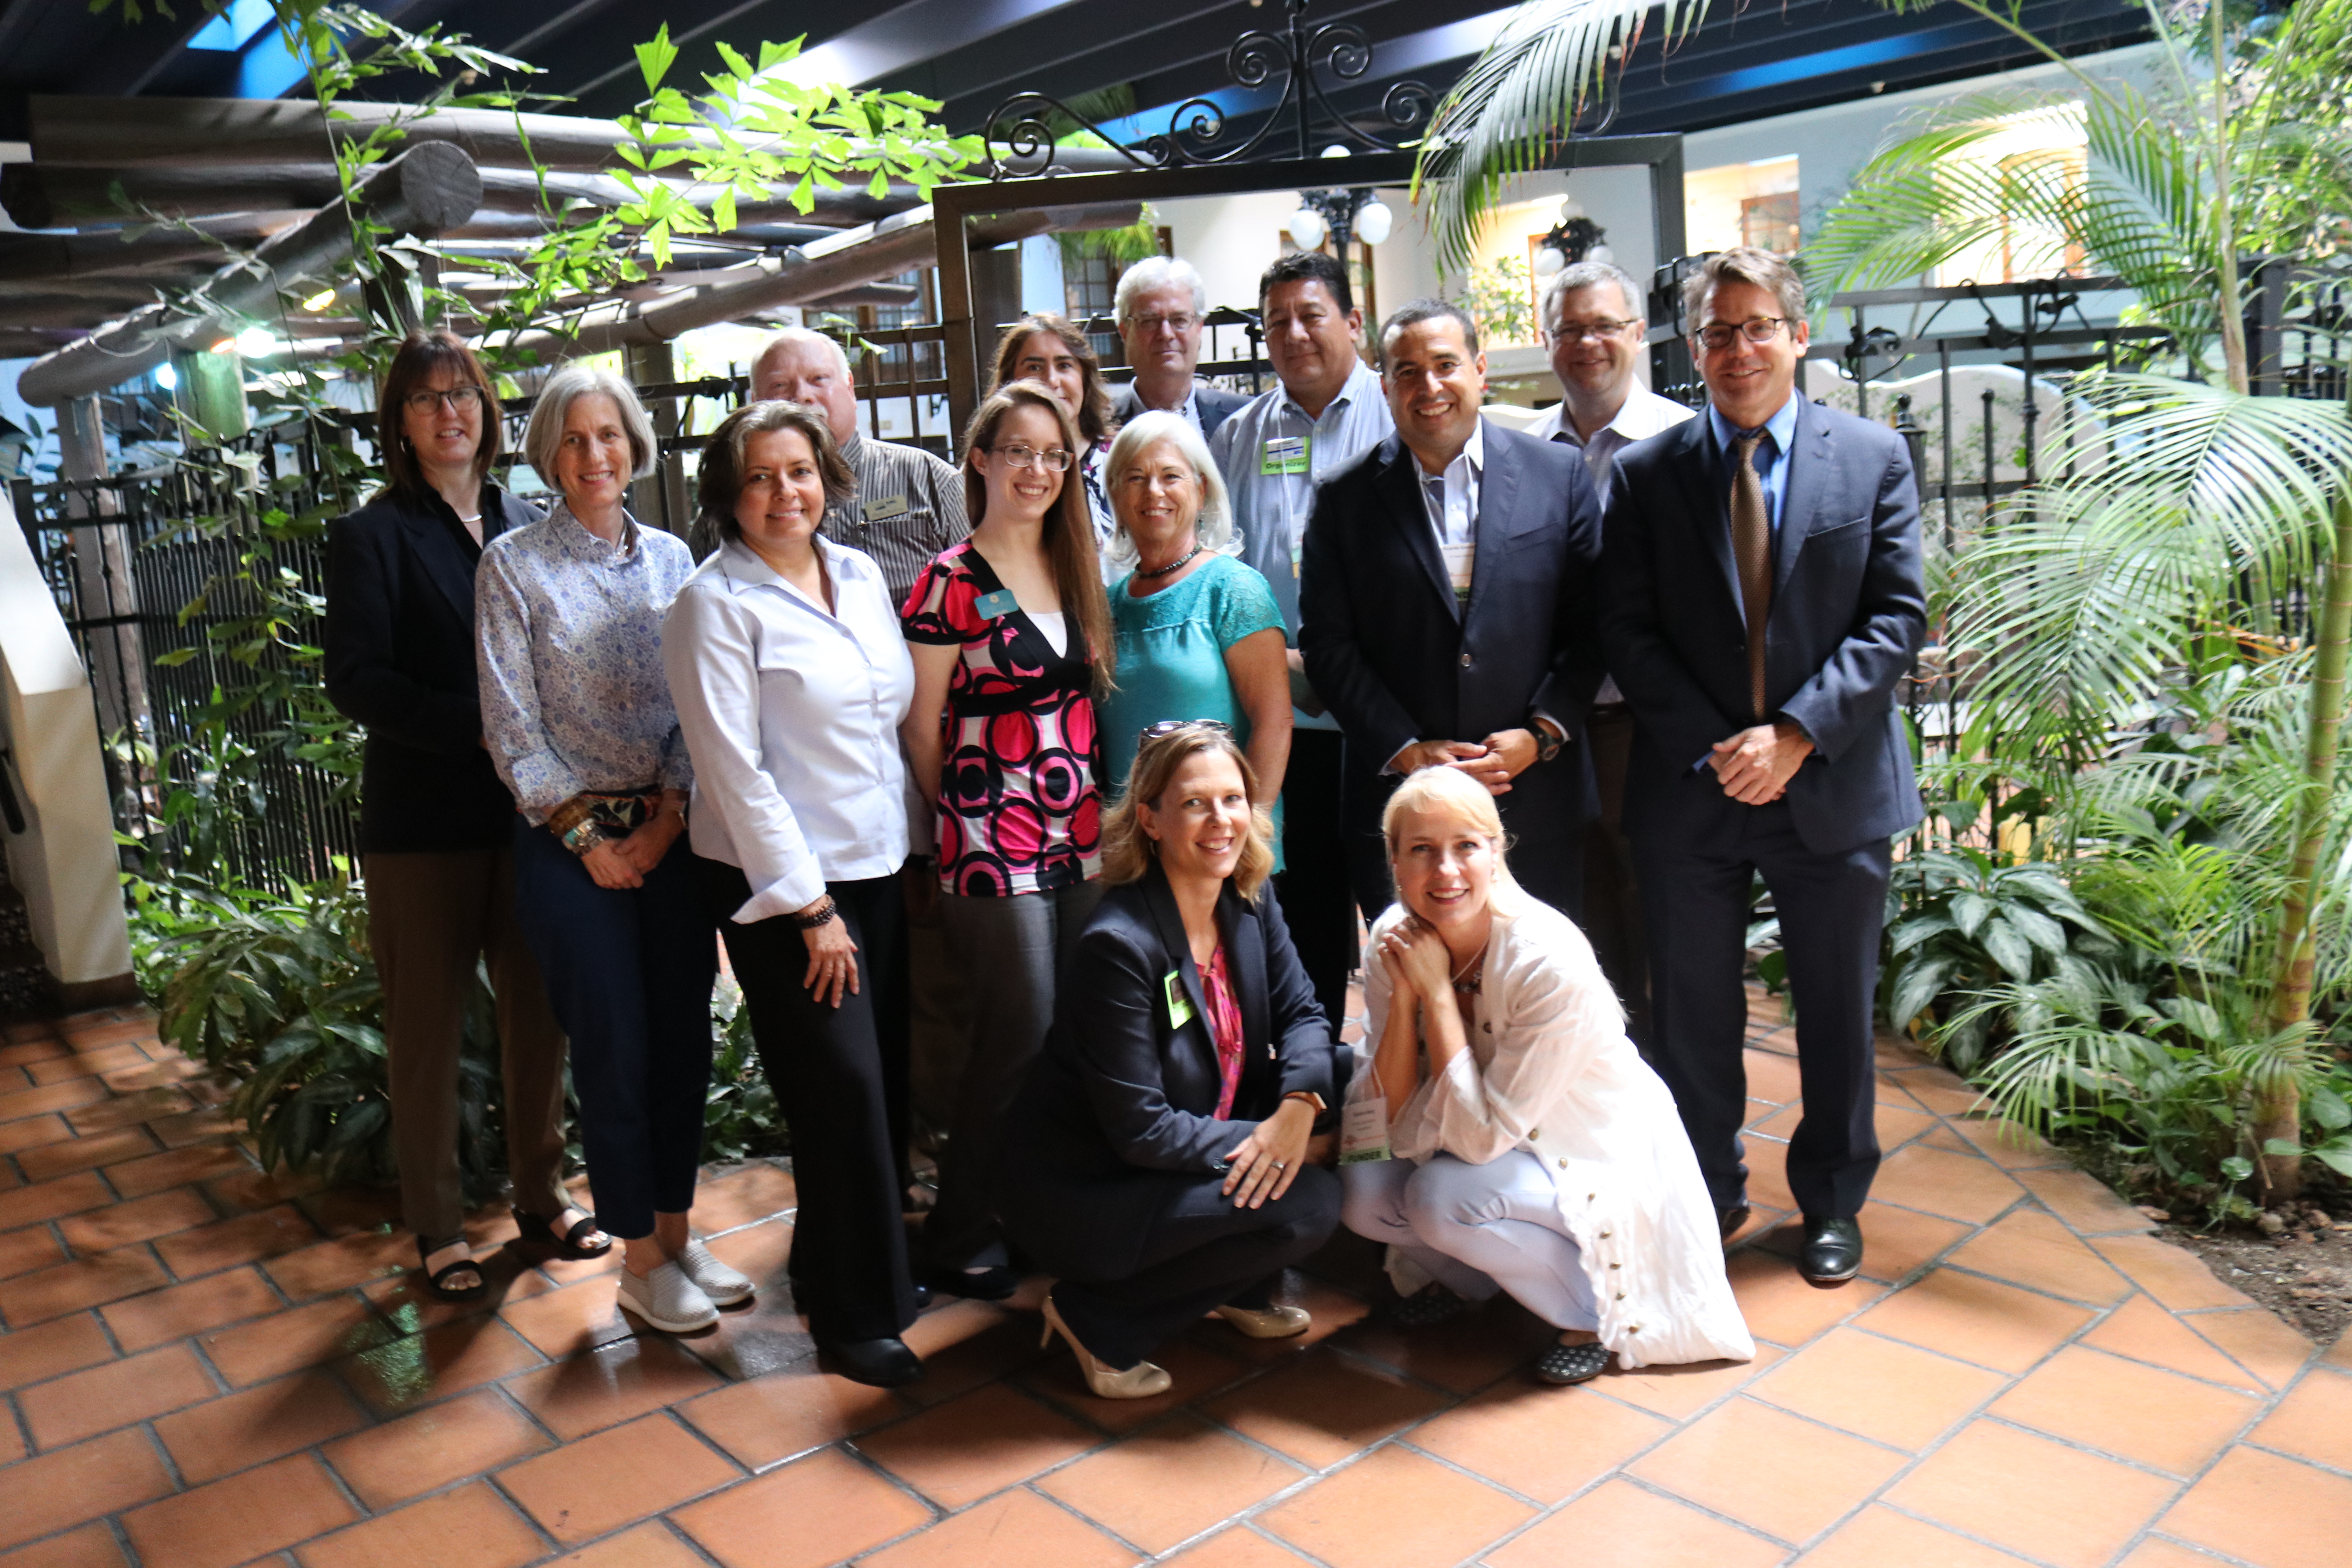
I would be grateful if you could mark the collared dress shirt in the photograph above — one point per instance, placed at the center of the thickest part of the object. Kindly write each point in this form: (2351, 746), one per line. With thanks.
(1642, 415)
(1450, 498)
(791, 712)
(1273, 455)
(569, 629)
(907, 508)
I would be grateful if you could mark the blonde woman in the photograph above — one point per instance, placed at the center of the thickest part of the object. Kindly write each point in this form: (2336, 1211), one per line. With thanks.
(1157, 1159)
(1528, 1148)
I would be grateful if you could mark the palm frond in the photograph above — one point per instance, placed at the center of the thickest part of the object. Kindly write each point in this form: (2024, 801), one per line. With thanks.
(1509, 112)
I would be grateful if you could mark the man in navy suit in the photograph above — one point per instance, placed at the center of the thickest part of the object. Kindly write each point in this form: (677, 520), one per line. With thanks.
(1761, 599)
(1445, 610)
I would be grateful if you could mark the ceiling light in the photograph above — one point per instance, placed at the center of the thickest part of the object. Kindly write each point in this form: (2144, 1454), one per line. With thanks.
(320, 301)
(255, 342)
(167, 377)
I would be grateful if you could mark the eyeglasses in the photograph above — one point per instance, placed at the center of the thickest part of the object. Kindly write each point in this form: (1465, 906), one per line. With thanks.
(459, 398)
(1055, 460)
(1755, 329)
(1177, 726)
(1569, 332)
(1180, 322)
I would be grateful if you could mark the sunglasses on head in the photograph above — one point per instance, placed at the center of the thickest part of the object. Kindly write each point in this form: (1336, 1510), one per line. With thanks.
(1177, 726)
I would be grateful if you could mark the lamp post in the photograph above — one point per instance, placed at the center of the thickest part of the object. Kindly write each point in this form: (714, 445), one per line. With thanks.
(1342, 215)
(1574, 238)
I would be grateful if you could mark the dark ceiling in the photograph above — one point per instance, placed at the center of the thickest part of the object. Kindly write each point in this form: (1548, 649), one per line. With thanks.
(1747, 63)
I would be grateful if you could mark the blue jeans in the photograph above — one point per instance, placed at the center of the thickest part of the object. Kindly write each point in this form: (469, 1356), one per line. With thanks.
(629, 971)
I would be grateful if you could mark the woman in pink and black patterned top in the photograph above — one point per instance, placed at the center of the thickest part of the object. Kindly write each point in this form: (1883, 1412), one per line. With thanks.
(1012, 641)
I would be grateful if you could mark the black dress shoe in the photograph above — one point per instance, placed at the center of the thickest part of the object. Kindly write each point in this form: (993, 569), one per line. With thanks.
(983, 1285)
(883, 1364)
(1832, 1254)
(1729, 1219)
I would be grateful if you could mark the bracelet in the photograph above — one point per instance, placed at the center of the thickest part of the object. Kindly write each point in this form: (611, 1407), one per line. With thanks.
(582, 836)
(568, 815)
(823, 913)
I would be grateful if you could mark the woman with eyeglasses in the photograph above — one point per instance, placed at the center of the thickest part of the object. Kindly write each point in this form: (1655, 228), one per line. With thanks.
(1011, 643)
(1047, 349)
(1157, 1160)
(1200, 635)
(437, 825)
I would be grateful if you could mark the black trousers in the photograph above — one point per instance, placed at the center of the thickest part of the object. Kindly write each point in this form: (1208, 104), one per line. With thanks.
(1199, 1252)
(1613, 899)
(840, 1076)
(1318, 902)
(1695, 889)
(628, 971)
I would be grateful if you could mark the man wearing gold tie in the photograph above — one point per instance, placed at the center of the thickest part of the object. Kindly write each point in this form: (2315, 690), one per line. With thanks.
(1762, 598)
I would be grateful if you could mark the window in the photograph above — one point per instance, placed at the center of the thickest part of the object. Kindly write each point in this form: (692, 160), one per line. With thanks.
(1743, 204)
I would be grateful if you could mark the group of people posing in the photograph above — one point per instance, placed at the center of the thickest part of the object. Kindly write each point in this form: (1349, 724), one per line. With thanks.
(1090, 750)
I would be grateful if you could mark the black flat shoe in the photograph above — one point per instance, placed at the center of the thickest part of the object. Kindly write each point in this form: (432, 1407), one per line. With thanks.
(1563, 1364)
(1832, 1254)
(479, 1288)
(1426, 1307)
(984, 1285)
(881, 1364)
(538, 1230)
(1729, 1219)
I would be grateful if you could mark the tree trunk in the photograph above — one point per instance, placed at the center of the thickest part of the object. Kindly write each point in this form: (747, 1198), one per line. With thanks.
(2277, 1107)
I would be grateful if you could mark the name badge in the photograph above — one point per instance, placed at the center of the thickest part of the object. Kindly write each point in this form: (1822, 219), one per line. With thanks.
(1180, 1007)
(1283, 455)
(1364, 1132)
(1001, 602)
(886, 509)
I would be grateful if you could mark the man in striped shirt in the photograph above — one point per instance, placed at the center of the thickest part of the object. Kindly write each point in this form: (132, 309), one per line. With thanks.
(908, 506)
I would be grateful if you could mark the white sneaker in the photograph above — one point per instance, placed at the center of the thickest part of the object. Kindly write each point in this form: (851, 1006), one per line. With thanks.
(724, 1286)
(667, 1300)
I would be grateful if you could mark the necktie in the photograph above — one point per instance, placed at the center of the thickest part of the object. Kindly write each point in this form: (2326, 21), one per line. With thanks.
(1751, 550)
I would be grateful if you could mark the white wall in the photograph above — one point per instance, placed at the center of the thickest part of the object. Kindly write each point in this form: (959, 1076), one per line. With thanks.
(65, 863)
(1833, 143)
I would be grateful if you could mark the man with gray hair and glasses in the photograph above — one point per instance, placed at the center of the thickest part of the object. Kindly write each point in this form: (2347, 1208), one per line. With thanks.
(1593, 327)
(1162, 308)
(908, 506)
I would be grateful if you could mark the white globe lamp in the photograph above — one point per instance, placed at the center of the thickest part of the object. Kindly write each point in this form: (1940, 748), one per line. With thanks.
(1374, 221)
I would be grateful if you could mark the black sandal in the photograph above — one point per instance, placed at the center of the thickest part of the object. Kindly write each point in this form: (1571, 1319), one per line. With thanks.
(540, 1231)
(1564, 1364)
(433, 1280)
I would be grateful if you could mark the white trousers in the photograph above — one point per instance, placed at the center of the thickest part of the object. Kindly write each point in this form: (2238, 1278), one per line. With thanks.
(1475, 1229)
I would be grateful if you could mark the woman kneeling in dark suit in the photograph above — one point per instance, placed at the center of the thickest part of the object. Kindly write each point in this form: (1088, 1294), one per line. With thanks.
(1156, 1159)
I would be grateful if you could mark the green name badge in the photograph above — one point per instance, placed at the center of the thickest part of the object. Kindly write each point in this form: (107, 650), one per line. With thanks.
(886, 509)
(1283, 455)
(1180, 1007)
(1001, 602)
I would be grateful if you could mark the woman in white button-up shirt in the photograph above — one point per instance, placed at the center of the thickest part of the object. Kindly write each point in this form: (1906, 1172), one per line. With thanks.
(1502, 1132)
(791, 678)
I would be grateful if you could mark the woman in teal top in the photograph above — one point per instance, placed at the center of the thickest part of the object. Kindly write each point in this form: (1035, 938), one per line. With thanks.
(1199, 634)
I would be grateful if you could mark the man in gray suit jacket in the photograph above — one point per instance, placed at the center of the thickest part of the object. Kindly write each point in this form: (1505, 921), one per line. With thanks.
(1162, 308)
(1762, 598)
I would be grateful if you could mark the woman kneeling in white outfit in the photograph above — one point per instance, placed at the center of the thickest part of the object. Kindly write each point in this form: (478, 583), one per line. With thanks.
(1527, 1147)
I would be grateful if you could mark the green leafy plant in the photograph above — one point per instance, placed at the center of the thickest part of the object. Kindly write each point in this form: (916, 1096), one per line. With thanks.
(743, 1122)
(1960, 923)
(1498, 298)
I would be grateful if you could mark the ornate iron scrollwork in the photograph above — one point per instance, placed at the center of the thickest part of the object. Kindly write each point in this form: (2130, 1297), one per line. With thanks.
(1197, 126)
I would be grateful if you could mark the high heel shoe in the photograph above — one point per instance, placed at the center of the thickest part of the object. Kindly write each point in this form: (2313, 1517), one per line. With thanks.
(1269, 1323)
(1141, 1381)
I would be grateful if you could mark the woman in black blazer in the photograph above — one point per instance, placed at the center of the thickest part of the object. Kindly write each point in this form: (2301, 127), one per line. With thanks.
(436, 825)
(1157, 1157)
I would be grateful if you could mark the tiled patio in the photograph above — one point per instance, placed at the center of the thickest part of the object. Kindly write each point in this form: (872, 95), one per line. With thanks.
(202, 1366)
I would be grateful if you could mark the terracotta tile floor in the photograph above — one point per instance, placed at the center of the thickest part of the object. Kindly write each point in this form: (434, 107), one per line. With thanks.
(202, 1365)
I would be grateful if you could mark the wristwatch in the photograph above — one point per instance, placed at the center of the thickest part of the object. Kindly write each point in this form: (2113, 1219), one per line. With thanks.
(1548, 744)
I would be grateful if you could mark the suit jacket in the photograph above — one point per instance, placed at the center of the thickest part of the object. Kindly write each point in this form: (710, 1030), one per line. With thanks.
(1395, 660)
(400, 660)
(1119, 1108)
(1847, 615)
(1215, 406)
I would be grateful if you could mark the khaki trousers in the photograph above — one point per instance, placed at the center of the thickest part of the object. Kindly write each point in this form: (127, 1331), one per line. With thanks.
(431, 917)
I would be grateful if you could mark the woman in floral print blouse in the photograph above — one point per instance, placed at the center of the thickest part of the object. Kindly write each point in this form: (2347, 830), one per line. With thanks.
(1011, 636)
